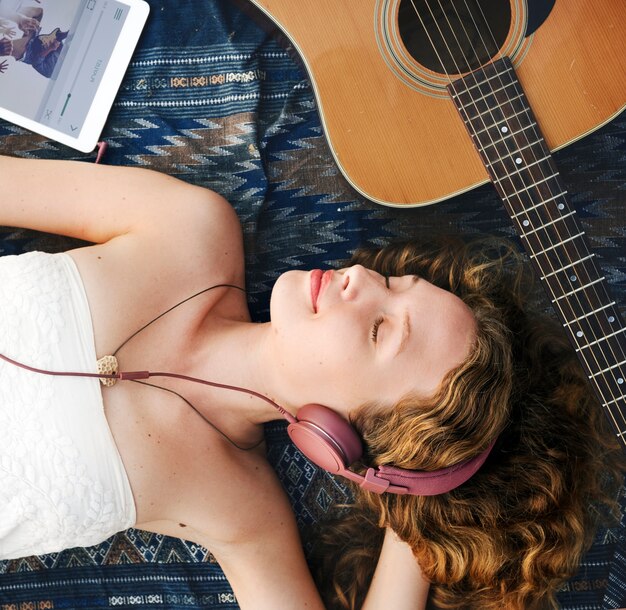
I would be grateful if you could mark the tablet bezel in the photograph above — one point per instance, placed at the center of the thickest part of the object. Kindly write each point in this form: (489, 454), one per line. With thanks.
(105, 94)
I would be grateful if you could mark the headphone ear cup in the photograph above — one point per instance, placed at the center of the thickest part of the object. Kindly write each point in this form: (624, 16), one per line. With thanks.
(326, 438)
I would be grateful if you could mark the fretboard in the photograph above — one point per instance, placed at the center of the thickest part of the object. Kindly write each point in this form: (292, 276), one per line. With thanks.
(495, 111)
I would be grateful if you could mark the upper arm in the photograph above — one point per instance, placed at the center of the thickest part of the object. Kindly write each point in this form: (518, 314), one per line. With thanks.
(268, 570)
(154, 235)
(92, 202)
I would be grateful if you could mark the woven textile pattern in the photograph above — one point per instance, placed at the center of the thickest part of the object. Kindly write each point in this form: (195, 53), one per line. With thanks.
(213, 98)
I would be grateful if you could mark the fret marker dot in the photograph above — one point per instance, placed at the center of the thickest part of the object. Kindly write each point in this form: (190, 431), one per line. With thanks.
(504, 129)
(620, 380)
(526, 223)
(560, 206)
(579, 333)
(518, 160)
(572, 278)
(611, 319)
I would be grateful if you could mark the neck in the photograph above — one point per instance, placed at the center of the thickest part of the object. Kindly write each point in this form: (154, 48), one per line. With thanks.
(233, 353)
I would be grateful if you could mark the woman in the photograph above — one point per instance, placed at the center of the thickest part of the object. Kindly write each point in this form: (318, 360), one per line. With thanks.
(398, 353)
(511, 535)
(41, 51)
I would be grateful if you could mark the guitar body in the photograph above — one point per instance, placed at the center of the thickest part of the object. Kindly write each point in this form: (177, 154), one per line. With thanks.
(391, 125)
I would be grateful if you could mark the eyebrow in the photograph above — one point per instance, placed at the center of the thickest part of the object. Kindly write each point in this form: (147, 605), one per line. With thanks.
(406, 324)
(406, 332)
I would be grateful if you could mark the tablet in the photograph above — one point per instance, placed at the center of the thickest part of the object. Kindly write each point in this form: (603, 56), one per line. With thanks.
(62, 63)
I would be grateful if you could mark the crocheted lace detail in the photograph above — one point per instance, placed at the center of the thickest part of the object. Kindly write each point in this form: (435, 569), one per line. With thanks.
(48, 498)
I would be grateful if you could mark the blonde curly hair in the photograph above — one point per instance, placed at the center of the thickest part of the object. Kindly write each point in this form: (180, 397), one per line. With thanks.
(518, 529)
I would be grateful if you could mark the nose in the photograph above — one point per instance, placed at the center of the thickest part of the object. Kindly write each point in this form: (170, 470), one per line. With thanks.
(357, 281)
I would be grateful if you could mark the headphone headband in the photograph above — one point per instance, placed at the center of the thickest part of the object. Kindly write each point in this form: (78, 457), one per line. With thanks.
(332, 443)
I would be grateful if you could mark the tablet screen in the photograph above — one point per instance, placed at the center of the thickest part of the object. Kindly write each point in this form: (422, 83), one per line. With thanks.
(53, 55)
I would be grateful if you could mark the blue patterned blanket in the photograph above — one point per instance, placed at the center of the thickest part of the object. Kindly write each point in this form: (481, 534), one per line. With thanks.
(213, 98)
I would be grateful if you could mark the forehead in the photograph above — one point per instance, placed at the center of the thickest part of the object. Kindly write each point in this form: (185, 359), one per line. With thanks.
(442, 331)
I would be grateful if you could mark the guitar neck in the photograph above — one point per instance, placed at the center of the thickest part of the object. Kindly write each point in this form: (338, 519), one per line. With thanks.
(495, 111)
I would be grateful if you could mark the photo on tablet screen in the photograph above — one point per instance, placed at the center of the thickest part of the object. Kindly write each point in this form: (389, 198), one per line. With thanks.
(53, 55)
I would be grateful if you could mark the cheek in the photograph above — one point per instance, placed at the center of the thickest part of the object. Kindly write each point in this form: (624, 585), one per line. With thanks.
(319, 355)
(334, 361)
(303, 345)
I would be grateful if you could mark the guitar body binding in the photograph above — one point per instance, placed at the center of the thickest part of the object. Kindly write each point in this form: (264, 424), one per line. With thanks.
(391, 126)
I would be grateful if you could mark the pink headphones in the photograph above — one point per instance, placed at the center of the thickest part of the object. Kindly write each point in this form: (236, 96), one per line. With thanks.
(333, 444)
(328, 440)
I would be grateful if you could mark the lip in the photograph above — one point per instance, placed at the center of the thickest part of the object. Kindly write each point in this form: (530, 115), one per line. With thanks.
(319, 280)
(328, 274)
(316, 284)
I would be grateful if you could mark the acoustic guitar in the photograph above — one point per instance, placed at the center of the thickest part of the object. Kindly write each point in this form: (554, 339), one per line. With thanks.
(424, 99)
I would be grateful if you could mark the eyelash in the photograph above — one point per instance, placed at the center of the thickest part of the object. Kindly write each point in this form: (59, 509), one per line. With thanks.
(377, 323)
(380, 320)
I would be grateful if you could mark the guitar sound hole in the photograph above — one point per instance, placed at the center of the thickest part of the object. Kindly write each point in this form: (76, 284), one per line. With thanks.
(453, 36)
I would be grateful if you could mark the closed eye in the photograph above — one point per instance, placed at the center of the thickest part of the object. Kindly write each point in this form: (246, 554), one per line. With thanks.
(375, 328)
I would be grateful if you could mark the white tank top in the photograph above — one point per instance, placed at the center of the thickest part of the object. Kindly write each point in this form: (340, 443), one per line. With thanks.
(62, 481)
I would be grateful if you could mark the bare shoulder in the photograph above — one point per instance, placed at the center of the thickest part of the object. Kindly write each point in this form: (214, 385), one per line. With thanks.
(202, 509)
(231, 478)
(246, 521)
(190, 483)
(188, 239)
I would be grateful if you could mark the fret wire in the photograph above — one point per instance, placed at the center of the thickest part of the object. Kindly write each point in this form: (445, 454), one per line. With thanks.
(506, 141)
(615, 411)
(591, 329)
(607, 369)
(495, 124)
(510, 135)
(530, 145)
(518, 170)
(615, 400)
(543, 277)
(604, 360)
(547, 224)
(582, 318)
(537, 205)
(536, 254)
(482, 97)
(490, 101)
(586, 315)
(486, 80)
(569, 294)
(617, 332)
(499, 105)
(526, 188)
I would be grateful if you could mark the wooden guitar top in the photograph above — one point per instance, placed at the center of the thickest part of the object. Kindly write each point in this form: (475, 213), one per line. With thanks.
(392, 127)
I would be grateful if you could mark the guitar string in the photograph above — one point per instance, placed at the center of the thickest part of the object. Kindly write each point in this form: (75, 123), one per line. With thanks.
(506, 144)
(558, 232)
(618, 359)
(583, 356)
(507, 147)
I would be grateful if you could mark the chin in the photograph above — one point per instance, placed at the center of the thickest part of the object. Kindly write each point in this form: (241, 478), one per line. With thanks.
(290, 293)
